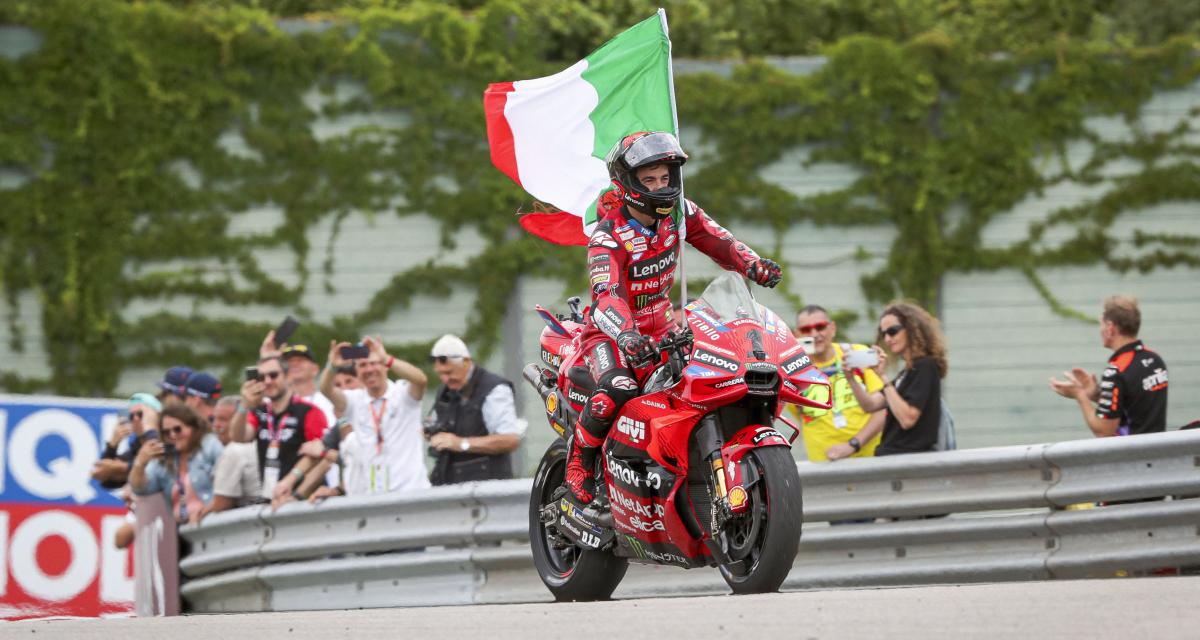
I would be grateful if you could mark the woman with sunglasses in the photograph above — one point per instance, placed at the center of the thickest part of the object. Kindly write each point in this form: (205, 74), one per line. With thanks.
(180, 465)
(913, 398)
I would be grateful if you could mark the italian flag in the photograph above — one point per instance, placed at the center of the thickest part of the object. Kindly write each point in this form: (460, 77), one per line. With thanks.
(551, 134)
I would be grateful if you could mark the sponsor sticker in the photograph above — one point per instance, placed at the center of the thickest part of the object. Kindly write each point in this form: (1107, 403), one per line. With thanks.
(795, 364)
(635, 429)
(652, 266)
(712, 359)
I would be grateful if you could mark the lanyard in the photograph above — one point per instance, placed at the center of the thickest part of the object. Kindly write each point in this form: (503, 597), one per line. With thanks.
(275, 433)
(377, 418)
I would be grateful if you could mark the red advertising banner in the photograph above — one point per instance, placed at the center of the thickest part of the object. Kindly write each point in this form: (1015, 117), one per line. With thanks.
(57, 525)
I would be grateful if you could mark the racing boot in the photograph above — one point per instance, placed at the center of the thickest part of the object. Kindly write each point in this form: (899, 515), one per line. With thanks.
(581, 466)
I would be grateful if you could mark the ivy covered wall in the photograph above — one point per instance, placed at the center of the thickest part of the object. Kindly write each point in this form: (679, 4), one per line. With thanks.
(134, 136)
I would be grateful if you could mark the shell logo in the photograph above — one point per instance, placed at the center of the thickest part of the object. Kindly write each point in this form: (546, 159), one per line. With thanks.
(551, 403)
(737, 497)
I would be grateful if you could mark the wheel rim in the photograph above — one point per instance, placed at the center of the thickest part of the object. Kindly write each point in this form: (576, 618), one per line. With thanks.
(562, 561)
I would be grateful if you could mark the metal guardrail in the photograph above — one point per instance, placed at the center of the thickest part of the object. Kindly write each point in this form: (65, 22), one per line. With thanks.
(469, 543)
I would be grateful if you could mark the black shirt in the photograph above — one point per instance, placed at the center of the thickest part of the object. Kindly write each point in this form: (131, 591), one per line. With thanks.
(1133, 389)
(921, 386)
(297, 423)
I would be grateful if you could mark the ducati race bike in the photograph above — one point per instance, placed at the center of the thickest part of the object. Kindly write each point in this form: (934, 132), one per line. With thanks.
(693, 473)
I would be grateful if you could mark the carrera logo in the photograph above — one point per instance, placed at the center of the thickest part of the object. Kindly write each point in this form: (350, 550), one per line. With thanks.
(729, 383)
(651, 267)
(796, 364)
(715, 360)
(577, 397)
(635, 429)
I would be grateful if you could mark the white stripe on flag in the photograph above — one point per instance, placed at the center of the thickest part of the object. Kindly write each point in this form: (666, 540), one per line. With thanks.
(554, 168)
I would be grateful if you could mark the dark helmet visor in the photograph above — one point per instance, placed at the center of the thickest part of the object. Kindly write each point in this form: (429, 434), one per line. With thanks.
(653, 148)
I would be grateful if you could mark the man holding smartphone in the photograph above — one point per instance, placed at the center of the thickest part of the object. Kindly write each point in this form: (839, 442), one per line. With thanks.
(279, 421)
(385, 416)
(835, 434)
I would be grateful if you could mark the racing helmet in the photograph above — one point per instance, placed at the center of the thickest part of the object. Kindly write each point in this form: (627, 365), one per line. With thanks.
(644, 149)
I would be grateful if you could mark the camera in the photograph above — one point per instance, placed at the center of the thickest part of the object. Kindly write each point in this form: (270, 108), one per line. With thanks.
(253, 374)
(168, 450)
(864, 359)
(354, 352)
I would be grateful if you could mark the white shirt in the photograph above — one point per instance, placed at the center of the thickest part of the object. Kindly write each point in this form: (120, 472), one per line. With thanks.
(500, 412)
(398, 463)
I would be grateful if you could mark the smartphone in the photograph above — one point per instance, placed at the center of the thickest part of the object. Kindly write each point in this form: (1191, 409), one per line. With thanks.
(252, 374)
(168, 450)
(150, 434)
(354, 352)
(861, 359)
(285, 330)
(808, 343)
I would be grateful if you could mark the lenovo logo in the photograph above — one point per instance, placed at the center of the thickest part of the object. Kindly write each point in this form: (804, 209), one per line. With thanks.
(715, 360)
(652, 266)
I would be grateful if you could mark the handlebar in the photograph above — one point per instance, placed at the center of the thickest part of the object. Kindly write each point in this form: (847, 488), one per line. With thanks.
(675, 345)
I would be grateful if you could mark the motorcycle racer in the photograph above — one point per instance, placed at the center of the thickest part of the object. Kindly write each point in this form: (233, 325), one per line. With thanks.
(632, 256)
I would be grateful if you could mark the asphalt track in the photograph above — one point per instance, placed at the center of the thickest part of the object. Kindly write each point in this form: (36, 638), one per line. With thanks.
(1127, 609)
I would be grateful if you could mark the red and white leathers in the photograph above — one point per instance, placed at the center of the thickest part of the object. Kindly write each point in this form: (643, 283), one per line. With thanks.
(631, 269)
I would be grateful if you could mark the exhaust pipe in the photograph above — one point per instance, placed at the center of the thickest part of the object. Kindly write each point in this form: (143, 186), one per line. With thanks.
(533, 375)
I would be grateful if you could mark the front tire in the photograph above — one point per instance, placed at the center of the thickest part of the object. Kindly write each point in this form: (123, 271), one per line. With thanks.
(571, 574)
(774, 518)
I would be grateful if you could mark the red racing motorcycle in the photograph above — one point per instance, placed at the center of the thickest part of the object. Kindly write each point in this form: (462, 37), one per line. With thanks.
(696, 475)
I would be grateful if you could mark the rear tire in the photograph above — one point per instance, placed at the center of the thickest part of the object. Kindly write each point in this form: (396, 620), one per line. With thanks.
(776, 499)
(572, 574)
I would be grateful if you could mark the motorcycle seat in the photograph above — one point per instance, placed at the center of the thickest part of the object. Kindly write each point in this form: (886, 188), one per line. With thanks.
(582, 379)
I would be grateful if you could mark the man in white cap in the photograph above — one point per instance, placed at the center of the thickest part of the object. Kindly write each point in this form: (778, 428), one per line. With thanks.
(475, 427)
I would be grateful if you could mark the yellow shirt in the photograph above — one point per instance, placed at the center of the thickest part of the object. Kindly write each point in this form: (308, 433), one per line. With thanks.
(824, 428)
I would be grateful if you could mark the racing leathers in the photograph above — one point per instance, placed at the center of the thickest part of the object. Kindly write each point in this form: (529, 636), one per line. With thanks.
(631, 269)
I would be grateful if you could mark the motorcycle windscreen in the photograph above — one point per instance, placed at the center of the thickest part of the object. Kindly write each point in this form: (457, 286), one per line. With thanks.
(727, 298)
(807, 387)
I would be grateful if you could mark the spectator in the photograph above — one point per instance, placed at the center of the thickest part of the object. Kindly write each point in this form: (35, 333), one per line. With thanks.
(914, 400)
(302, 371)
(182, 466)
(236, 477)
(385, 417)
(1131, 397)
(280, 422)
(112, 470)
(201, 392)
(841, 431)
(345, 378)
(173, 386)
(475, 420)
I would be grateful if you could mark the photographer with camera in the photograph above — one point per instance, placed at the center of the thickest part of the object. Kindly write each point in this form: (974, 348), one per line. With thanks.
(385, 416)
(846, 430)
(474, 428)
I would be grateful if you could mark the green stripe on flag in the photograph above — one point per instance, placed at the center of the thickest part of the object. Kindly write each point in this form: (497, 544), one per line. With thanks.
(632, 75)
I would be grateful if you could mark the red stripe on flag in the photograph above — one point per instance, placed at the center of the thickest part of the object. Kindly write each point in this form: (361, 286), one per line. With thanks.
(500, 137)
(559, 228)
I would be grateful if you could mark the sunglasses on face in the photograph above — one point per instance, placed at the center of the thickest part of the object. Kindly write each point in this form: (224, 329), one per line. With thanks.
(892, 330)
(271, 375)
(814, 327)
(173, 432)
(135, 415)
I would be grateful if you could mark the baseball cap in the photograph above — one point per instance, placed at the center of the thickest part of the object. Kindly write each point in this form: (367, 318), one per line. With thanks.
(449, 346)
(146, 399)
(299, 351)
(175, 379)
(204, 385)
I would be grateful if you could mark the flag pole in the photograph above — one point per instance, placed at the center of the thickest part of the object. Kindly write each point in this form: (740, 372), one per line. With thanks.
(682, 227)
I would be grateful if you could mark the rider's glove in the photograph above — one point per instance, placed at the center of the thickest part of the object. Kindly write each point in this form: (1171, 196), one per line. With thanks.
(765, 272)
(636, 346)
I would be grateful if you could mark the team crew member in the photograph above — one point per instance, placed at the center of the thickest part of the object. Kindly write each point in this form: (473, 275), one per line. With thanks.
(1131, 397)
(386, 417)
(280, 422)
(632, 255)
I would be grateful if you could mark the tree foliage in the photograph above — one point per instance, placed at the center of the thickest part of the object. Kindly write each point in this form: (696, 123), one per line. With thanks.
(949, 110)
